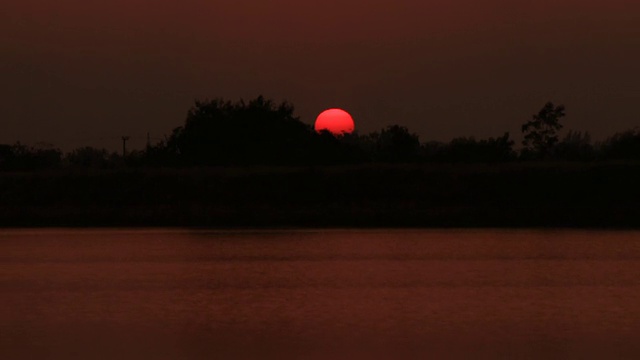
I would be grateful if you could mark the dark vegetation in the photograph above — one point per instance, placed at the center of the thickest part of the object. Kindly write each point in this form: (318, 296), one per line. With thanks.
(262, 132)
(256, 164)
(436, 195)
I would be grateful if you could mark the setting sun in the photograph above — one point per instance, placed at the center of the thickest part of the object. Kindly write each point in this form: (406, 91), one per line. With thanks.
(336, 121)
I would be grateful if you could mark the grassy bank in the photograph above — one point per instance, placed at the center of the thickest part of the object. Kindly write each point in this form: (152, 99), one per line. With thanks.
(503, 195)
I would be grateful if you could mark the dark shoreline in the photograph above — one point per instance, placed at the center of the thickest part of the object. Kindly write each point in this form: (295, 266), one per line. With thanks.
(512, 195)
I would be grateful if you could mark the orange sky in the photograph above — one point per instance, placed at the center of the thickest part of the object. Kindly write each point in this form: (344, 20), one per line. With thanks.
(86, 72)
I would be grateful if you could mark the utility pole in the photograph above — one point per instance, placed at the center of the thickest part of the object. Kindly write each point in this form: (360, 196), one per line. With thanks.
(124, 145)
(148, 140)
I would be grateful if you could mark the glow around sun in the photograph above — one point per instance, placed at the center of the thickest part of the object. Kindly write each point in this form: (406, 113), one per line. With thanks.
(336, 121)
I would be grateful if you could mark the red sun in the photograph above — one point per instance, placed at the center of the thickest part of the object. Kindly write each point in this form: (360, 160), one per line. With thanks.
(336, 121)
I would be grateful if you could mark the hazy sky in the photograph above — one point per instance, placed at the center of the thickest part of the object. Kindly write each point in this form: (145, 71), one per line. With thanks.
(76, 72)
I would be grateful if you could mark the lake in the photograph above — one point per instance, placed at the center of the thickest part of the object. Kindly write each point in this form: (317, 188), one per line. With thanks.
(318, 294)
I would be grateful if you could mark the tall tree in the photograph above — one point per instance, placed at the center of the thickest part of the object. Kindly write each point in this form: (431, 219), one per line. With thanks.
(541, 133)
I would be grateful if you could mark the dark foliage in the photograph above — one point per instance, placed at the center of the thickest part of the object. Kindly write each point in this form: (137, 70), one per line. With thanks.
(541, 133)
(266, 133)
(439, 195)
(395, 144)
(262, 132)
(220, 132)
(385, 178)
(19, 157)
(470, 150)
(575, 146)
(6, 155)
(622, 146)
(89, 157)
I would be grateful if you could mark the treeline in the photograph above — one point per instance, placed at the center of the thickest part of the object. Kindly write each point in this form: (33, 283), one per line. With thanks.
(263, 132)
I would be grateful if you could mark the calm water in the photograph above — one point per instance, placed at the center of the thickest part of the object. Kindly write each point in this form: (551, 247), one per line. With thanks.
(167, 294)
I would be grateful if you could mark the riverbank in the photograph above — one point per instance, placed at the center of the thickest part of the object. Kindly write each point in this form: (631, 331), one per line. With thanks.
(603, 195)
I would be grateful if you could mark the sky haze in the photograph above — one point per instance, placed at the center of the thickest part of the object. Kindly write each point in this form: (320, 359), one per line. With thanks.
(86, 72)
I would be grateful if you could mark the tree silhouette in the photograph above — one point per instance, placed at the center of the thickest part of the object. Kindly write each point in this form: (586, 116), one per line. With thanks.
(622, 146)
(22, 157)
(6, 154)
(88, 157)
(219, 132)
(499, 149)
(263, 132)
(575, 146)
(396, 144)
(540, 134)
